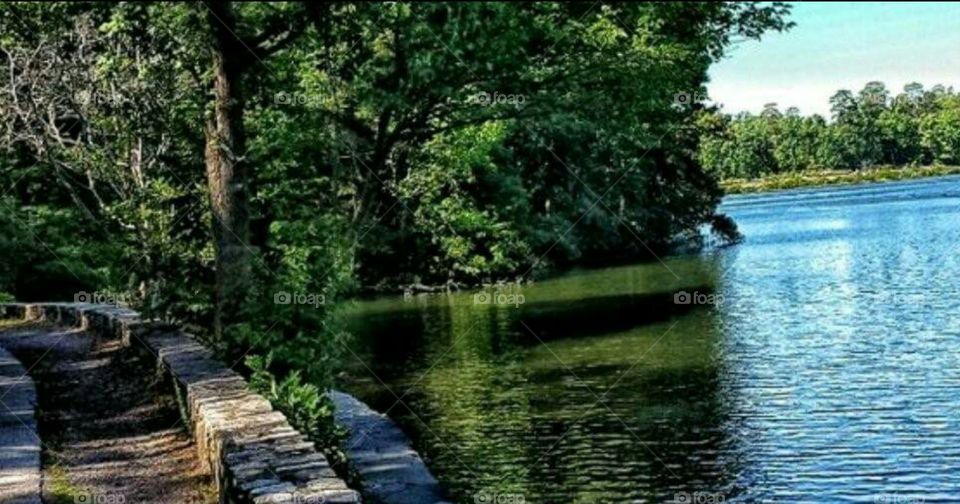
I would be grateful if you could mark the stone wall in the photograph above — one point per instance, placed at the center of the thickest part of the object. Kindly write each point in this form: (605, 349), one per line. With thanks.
(253, 453)
(391, 470)
(19, 444)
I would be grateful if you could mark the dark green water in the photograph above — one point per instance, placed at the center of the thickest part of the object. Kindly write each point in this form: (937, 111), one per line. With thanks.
(828, 373)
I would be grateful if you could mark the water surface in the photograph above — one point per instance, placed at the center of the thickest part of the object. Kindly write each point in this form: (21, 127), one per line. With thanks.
(827, 369)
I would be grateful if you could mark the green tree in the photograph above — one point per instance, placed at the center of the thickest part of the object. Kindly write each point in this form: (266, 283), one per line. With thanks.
(345, 145)
(916, 126)
(797, 140)
(940, 131)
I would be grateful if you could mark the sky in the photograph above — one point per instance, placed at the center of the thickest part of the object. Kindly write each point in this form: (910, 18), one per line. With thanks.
(840, 45)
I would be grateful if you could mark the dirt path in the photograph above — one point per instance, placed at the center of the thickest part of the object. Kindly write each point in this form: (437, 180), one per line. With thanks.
(110, 432)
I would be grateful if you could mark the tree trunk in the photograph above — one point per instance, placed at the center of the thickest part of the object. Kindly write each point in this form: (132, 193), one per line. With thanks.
(226, 168)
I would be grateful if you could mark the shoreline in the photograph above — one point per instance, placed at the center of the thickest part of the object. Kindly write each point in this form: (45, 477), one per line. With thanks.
(821, 178)
(765, 184)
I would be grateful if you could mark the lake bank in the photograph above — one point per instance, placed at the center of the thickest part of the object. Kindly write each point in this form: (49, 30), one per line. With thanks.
(821, 178)
(831, 321)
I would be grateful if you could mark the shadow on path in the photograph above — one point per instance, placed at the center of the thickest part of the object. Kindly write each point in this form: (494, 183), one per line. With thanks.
(109, 430)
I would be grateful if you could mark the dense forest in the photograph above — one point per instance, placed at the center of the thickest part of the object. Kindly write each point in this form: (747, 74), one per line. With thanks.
(867, 129)
(194, 160)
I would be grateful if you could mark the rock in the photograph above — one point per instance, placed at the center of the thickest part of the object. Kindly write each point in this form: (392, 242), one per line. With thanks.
(391, 470)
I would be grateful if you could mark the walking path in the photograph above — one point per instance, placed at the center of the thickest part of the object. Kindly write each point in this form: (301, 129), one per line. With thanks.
(110, 432)
(100, 419)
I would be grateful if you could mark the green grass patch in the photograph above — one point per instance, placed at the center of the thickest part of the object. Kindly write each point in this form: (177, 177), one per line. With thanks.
(816, 178)
(61, 491)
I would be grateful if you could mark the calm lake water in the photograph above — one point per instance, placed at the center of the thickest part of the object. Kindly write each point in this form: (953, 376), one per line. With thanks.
(826, 368)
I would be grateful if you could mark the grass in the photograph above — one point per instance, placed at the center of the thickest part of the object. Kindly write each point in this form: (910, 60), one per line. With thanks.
(11, 323)
(814, 178)
(61, 491)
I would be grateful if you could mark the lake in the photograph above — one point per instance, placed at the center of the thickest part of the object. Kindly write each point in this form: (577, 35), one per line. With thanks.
(815, 361)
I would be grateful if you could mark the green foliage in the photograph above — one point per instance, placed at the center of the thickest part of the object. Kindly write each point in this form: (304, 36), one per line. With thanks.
(588, 137)
(116, 208)
(305, 405)
(869, 129)
(940, 131)
(170, 245)
(462, 238)
(291, 308)
(47, 256)
(386, 143)
(13, 241)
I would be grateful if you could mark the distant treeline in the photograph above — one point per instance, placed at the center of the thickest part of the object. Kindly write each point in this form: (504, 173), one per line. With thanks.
(870, 128)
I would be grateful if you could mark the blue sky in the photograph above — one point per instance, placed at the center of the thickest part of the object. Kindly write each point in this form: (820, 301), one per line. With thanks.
(841, 45)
